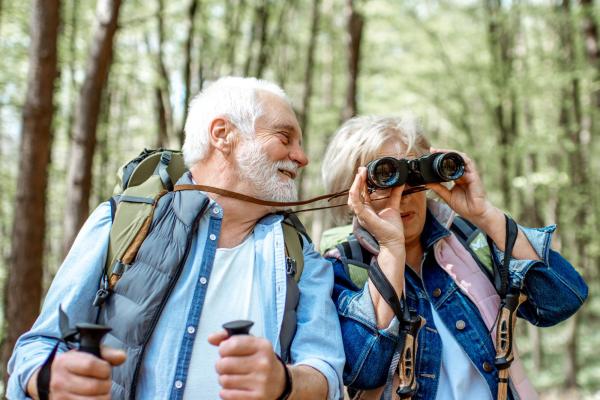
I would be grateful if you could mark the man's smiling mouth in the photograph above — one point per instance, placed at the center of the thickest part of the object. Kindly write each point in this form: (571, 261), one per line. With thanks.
(289, 174)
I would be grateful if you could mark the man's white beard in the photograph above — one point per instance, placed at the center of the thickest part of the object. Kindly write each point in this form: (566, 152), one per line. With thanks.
(263, 174)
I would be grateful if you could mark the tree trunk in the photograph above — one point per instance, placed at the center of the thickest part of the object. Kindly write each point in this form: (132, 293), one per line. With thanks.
(354, 26)
(590, 36)
(572, 345)
(187, 64)
(263, 37)
(23, 287)
(308, 87)
(501, 38)
(572, 123)
(592, 50)
(84, 138)
(234, 31)
(72, 69)
(162, 90)
(258, 32)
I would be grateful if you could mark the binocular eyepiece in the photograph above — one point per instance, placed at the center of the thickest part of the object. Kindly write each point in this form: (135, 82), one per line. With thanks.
(387, 172)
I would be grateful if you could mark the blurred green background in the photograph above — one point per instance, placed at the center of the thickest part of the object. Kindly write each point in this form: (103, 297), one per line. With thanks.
(515, 84)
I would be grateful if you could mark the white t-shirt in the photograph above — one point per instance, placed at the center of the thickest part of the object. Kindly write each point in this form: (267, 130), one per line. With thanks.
(459, 379)
(232, 294)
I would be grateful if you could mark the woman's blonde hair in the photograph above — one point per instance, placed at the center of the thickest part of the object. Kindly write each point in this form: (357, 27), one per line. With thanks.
(358, 141)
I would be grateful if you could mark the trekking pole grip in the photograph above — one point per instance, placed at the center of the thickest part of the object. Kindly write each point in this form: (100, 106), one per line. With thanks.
(90, 336)
(238, 327)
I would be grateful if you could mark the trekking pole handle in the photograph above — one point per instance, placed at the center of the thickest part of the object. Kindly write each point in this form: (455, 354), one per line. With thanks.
(238, 327)
(90, 336)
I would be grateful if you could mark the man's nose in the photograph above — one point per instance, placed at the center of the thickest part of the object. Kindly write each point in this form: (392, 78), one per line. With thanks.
(297, 154)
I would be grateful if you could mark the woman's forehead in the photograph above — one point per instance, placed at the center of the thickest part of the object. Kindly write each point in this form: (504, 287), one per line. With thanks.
(395, 148)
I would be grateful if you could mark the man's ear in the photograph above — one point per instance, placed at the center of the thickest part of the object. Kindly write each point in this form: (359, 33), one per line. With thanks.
(221, 135)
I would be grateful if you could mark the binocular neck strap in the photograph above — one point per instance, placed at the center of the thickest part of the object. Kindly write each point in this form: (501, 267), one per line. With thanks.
(250, 199)
(329, 197)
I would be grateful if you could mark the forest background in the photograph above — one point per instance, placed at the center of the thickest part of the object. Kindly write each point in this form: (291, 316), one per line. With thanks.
(86, 85)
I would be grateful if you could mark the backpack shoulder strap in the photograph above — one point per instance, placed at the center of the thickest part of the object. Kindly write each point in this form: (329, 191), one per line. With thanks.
(294, 251)
(356, 260)
(293, 238)
(467, 234)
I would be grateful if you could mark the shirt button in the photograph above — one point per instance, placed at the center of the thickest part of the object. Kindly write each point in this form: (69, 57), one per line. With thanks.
(191, 330)
(437, 292)
(487, 367)
(203, 280)
(178, 384)
(216, 210)
(460, 324)
(212, 236)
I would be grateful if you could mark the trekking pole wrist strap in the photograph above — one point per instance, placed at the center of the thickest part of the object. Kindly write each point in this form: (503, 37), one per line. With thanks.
(287, 390)
(44, 375)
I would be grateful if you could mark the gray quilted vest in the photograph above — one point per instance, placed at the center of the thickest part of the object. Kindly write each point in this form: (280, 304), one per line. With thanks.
(135, 305)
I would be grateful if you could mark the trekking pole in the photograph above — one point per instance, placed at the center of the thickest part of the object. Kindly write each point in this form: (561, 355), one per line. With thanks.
(238, 327)
(85, 337)
(90, 336)
(504, 339)
(406, 369)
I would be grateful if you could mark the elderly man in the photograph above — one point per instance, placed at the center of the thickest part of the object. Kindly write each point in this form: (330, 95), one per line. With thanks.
(242, 136)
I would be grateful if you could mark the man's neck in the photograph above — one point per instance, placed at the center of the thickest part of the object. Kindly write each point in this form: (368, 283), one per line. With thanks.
(239, 217)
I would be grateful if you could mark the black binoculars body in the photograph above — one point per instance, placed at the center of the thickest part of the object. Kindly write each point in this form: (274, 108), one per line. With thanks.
(387, 172)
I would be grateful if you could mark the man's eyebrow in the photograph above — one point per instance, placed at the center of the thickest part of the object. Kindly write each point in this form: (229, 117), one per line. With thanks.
(288, 128)
(285, 127)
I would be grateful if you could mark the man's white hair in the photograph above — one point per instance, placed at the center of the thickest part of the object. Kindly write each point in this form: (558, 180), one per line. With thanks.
(234, 98)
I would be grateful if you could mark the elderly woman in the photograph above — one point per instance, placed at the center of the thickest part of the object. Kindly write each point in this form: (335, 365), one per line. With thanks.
(432, 276)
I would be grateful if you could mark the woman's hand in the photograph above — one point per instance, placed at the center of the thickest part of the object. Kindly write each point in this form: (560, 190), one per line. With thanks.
(467, 197)
(386, 225)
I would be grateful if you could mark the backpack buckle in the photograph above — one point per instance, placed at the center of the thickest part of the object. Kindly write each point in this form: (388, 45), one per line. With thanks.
(290, 266)
(101, 296)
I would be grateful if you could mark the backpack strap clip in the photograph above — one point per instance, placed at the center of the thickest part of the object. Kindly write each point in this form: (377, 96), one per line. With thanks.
(102, 294)
(290, 266)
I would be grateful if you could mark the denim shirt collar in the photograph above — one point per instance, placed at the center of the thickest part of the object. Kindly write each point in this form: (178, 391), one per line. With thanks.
(433, 231)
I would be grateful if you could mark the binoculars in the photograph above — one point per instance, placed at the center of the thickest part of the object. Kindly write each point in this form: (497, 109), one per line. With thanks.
(387, 172)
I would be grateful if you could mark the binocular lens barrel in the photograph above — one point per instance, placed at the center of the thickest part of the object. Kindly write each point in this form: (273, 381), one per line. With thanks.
(387, 172)
(449, 166)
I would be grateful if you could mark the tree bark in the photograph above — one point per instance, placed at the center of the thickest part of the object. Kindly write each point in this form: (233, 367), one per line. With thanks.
(84, 138)
(501, 37)
(592, 48)
(258, 32)
(162, 90)
(187, 64)
(72, 68)
(572, 123)
(308, 87)
(263, 37)
(23, 287)
(354, 30)
(234, 31)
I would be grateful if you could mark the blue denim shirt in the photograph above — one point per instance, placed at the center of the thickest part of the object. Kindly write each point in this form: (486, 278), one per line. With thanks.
(317, 342)
(369, 350)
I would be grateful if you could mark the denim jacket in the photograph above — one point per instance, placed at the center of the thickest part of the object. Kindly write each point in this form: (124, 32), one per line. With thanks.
(369, 350)
(317, 342)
